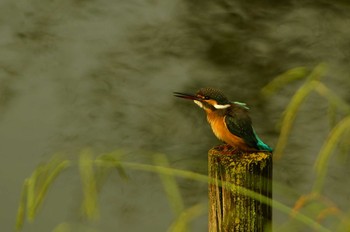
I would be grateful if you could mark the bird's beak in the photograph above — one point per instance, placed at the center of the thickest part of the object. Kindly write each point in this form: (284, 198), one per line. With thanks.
(186, 96)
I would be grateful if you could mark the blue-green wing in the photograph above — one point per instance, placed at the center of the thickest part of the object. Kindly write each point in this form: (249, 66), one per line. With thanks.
(239, 123)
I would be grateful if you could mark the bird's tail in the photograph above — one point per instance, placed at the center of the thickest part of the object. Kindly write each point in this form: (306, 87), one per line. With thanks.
(261, 145)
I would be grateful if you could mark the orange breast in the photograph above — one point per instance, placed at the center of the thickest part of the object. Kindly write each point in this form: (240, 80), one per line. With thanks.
(220, 130)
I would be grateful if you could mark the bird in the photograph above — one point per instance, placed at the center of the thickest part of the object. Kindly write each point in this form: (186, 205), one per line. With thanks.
(229, 121)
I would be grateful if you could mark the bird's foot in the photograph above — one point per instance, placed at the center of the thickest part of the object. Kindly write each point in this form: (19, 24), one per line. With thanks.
(226, 149)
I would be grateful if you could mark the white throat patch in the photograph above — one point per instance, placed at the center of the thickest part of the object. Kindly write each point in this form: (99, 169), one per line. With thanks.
(200, 104)
(217, 106)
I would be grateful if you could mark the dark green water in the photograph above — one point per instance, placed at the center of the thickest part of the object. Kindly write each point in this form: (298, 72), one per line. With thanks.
(100, 74)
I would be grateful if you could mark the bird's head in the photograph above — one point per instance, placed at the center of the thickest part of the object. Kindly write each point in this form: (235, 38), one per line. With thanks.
(207, 98)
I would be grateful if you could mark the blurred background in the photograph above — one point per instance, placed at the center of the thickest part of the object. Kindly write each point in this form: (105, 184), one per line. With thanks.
(100, 74)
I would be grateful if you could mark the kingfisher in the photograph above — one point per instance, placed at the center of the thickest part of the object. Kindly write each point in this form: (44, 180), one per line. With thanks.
(229, 121)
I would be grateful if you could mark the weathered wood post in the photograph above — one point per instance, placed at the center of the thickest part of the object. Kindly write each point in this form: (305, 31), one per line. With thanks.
(229, 209)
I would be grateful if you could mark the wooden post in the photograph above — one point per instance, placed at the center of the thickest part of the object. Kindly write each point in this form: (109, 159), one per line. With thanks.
(229, 209)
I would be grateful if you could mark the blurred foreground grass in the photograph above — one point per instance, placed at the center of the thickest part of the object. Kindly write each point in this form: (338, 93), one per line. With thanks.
(95, 169)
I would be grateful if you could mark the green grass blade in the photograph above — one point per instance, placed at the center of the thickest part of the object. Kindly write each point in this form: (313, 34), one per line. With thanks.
(326, 151)
(112, 160)
(290, 115)
(21, 212)
(54, 168)
(180, 224)
(35, 189)
(317, 72)
(86, 168)
(333, 98)
(32, 193)
(284, 79)
(293, 107)
(170, 186)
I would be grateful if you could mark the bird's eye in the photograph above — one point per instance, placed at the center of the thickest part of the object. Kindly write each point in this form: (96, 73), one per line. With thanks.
(206, 98)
